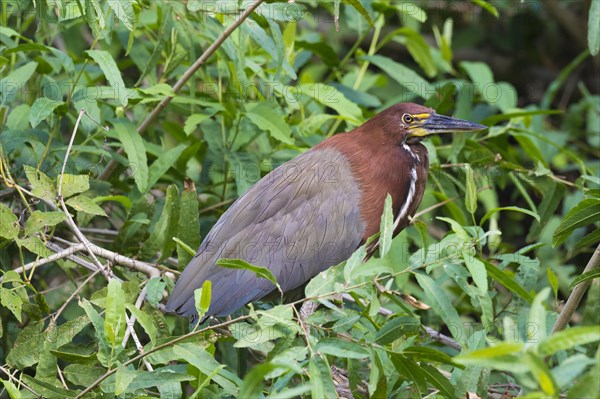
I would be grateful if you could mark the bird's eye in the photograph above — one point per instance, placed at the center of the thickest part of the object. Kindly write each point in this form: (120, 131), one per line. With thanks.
(406, 118)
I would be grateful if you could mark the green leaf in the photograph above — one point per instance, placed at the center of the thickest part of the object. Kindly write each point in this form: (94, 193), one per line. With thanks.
(123, 378)
(405, 76)
(492, 120)
(542, 374)
(537, 318)
(442, 305)
(332, 98)
(81, 203)
(480, 74)
(144, 319)
(188, 229)
(589, 240)
(125, 11)
(553, 280)
(109, 67)
(397, 327)
(590, 275)
(41, 109)
(206, 363)
(438, 380)
(166, 227)
(114, 318)
(11, 389)
(386, 227)
(471, 191)
(163, 163)
(477, 271)
(412, 372)
(266, 118)
(82, 374)
(38, 220)
(42, 186)
(487, 6)
(508, 208)
(252, 385)
(340, 348)
(240, 264)
(9, 224)
(361, 10)
(419, 50)
(320, 379)
(154, 290)
(11, 301)
(594, 28)
(497, 351)
(202, 298)
(195, 119)
(583, 214)
(14, 81)
(569, 338)
(133, 144)
(422, 353)
(74, 184)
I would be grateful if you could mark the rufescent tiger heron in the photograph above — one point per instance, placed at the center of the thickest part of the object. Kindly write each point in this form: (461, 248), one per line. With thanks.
(314, 211)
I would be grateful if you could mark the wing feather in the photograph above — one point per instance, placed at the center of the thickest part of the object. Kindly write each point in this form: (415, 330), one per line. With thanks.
(295, 224)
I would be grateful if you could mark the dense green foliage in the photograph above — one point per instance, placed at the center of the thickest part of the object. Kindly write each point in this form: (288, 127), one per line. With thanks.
(508, 222)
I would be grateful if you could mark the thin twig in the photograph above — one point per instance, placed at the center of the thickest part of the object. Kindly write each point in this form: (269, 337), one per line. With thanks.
(567, 311)
(54, 257)
(112, 164)
(64, 305)
(19, 382)
(107, 272)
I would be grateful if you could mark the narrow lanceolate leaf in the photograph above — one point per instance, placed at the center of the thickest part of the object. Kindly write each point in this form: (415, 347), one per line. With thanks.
(537, 317)
(112, 73)
(320, 378)
(133, 144)
(125, 11)
(507, 281)
(585, 213)
(202, 298)
(592, 274)
(114, 318)
(442, 305)
(253, 382)
(331, 97)
(261, 272)
(266, 118)
(339, 348)
(567, 339)
(163, 163)
(387, 227)
(188, 230)
(477, 271)
(41, 109)
(508, 208)
(405, 76)
(161, 237)
(471, 194)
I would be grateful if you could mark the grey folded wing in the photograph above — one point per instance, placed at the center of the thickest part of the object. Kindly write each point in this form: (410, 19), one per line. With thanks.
(297, 221)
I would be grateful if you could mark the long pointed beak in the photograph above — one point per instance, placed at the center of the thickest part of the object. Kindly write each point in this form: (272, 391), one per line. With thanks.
(436, 124)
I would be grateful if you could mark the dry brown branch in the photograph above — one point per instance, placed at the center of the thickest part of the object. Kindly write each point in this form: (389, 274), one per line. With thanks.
(567, 311)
